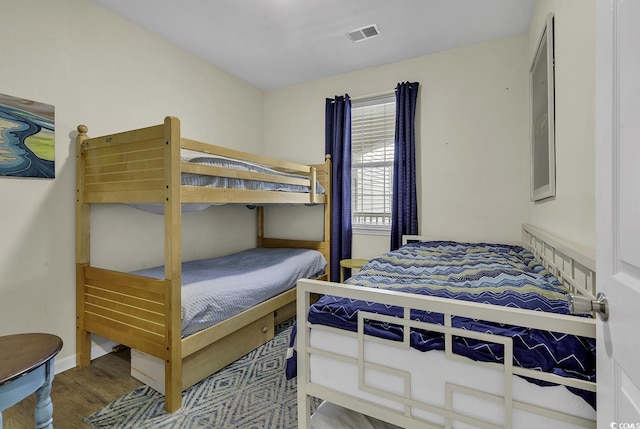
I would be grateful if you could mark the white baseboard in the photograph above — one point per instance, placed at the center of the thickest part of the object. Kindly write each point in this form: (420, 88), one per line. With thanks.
(97, 350)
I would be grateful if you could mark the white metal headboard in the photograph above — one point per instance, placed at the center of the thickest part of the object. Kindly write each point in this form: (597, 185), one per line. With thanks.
(574, 267)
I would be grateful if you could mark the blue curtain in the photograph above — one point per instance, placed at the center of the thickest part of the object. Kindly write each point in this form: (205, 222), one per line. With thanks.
(338, 145)
(404, 210)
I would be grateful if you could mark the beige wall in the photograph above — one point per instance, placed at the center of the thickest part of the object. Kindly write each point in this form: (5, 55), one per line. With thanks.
(571, 214)
(472, 137)
(99, 70)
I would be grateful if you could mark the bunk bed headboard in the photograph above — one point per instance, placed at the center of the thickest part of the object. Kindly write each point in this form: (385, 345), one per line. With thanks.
(135, 166)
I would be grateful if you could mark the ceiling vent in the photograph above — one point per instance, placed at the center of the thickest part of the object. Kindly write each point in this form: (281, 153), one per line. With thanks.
(364, 33)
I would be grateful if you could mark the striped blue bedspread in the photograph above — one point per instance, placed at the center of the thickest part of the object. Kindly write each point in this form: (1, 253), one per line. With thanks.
(203, 180)
(486, 273)
(218, 288)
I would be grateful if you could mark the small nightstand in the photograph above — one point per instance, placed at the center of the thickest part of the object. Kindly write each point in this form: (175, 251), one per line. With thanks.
(350, 264)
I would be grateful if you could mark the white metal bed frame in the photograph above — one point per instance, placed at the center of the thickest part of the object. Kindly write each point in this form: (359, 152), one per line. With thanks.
(574, 267)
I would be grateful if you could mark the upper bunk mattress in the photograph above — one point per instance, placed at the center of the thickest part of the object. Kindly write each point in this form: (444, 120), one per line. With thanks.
(202, 180)
(234, 164)
(218, 288)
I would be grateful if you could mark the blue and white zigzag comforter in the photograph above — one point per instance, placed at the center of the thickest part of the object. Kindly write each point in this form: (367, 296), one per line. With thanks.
(485, 273)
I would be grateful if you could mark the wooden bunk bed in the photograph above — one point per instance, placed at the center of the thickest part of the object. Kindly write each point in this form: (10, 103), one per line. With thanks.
(147, 166)
(361, 375)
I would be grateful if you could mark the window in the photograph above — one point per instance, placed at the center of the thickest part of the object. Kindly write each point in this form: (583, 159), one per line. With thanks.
(372, 141)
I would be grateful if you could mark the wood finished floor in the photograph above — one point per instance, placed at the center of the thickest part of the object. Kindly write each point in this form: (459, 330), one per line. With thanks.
(77, 393)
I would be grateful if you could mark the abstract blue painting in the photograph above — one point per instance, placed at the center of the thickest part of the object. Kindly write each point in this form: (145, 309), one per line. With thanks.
(27, 138)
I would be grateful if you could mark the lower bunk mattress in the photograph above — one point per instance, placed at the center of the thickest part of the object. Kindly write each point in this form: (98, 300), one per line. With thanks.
(216, 289)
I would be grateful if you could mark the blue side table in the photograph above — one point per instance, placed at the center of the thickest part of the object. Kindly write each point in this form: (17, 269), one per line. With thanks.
(26, 367)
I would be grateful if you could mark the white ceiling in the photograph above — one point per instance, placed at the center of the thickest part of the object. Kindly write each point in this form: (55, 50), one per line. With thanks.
(275, 43)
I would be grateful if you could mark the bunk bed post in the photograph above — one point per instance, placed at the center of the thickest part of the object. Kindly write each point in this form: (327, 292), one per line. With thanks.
(327, 213)
(83, 338)
(314, 178)
(260, 214)
(173, 265)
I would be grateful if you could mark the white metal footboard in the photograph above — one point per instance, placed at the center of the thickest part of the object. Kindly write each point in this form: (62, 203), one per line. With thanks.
(408, 417)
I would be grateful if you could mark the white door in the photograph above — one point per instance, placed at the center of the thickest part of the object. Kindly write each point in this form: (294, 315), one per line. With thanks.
(618, 210)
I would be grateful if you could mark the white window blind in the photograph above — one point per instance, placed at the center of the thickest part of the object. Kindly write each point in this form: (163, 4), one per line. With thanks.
(372, 142)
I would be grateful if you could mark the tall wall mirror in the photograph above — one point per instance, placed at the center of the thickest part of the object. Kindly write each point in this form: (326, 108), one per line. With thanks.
(542, 116)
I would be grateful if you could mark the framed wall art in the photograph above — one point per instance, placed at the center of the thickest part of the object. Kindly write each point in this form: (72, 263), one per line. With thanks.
(27, 138)
(542, 115)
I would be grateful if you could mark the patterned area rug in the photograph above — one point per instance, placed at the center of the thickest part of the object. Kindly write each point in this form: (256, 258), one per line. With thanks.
(251, 393)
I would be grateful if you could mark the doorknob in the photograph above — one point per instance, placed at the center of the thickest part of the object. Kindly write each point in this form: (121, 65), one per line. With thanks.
(579, 304)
